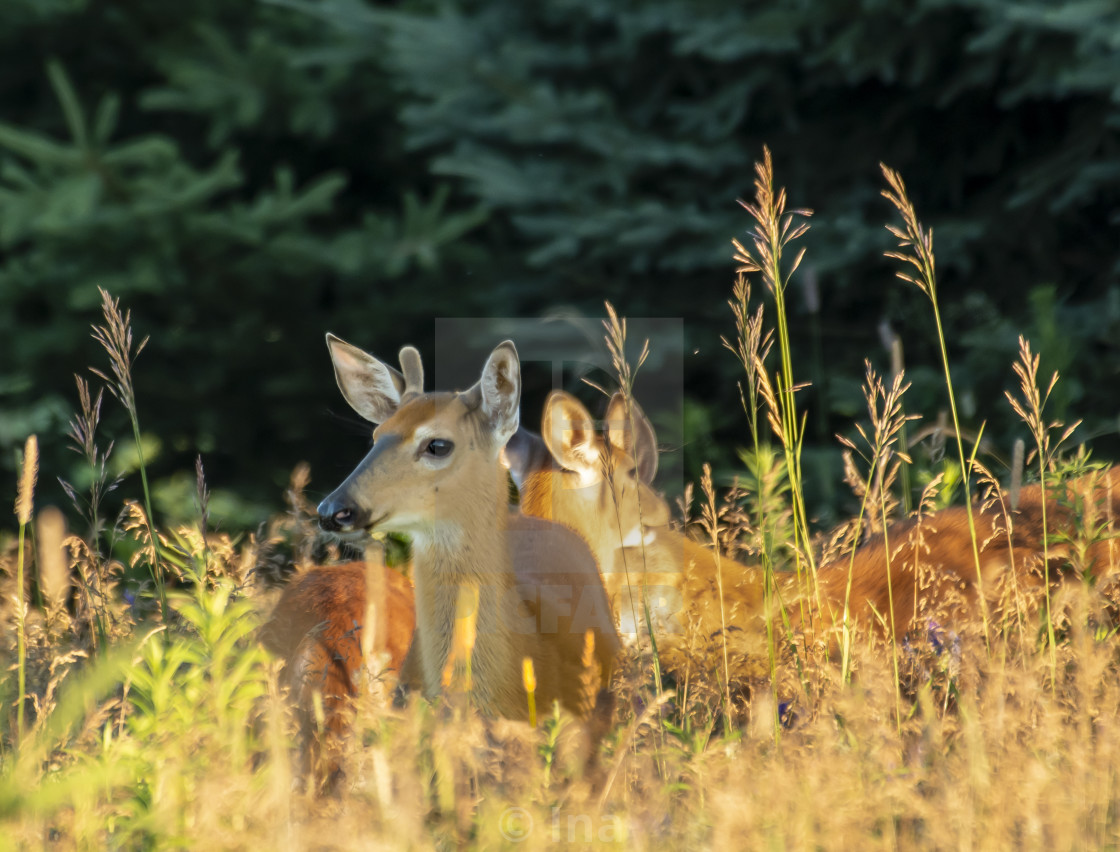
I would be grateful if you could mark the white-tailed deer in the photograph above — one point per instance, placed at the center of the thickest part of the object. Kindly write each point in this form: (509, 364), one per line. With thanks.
(434, 474)
(601, 488)
(931, 564)
(317, 627)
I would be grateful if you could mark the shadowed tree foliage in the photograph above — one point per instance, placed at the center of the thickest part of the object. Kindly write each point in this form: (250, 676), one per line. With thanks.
(247, 175)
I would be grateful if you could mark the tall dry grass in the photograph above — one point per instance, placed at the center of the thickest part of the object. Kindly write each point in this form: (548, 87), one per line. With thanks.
(137, 727)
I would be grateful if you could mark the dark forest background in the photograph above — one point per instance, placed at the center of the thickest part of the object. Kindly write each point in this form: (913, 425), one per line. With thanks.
(246, 176)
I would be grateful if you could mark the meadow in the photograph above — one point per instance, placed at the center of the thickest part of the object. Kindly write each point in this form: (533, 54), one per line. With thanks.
(141, 712)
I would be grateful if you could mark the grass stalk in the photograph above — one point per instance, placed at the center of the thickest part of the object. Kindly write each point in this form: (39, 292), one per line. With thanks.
(884, 406)
(1030, 410)
(710, 520)
(774, 230)
(116, 338)
(919, 241)
(751, 347)
(24, 504)
(83, 440)
(903, 440)
(1005, 503)
(615, 337)
(890, 606)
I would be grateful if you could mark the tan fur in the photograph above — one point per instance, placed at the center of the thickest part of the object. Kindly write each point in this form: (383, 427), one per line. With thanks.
(932, 568)
(538, 585)
(600, 487)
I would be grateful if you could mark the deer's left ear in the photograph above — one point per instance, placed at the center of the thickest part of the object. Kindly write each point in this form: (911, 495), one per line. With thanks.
(633, 435)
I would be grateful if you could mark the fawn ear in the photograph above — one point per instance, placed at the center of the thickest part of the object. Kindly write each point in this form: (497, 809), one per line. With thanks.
(373, 389)
(499, 392)
(633, 435)
(569, 433)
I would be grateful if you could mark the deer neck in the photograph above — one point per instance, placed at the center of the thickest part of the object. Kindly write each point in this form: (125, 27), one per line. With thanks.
(537, 492)
(468, 550)
(557, 495)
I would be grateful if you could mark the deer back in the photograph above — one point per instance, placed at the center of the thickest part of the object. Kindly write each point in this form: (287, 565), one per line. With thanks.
(931, 563)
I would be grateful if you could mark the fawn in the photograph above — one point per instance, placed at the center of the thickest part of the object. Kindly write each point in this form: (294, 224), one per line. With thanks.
(601, 488)
(317, 628)
(532, 588)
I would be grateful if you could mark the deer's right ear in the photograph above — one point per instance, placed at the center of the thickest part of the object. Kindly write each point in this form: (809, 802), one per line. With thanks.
(499, 391)
(569, 433)
(372, 388)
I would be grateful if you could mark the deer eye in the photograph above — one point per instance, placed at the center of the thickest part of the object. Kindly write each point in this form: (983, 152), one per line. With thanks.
(439, 447)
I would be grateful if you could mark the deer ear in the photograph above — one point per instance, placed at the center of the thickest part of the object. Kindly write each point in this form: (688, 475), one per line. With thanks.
(633, 435)
(525, 454)
(413, 369)
(499, 390)
(569, 433)
(372, 389)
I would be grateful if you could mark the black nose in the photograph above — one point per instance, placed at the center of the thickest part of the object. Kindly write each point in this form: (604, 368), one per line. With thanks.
(337, 516)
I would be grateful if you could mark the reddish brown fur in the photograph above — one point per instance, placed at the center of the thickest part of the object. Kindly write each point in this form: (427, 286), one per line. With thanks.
(698, 604)
(316, 628)
(946, 577)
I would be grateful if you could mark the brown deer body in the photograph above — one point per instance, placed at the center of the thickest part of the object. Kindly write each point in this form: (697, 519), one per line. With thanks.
(317, 629)
(434, 474)
(932, 566)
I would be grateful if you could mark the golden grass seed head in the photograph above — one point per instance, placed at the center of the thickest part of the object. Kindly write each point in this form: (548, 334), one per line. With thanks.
(25, 494)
